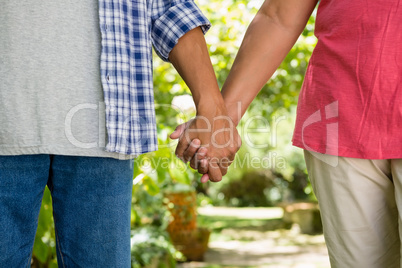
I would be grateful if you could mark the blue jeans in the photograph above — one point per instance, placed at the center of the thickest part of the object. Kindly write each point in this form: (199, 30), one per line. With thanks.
(91, 208)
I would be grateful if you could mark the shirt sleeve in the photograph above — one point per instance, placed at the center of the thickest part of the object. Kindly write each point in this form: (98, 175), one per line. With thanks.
(171, 19)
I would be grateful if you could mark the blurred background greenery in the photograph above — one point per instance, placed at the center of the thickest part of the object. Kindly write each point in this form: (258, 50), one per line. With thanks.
(267, 170)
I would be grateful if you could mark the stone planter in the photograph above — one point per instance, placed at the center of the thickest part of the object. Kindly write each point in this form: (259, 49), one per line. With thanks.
(305, 214)
(192, 244)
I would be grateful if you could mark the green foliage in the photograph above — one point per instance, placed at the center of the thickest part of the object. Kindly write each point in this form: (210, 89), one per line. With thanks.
(161, 169)
(265, 188)
(44, 251)
(251, 190)
(150, 243)
(282, 90)
(154, 174)
(230, 19)
(150, 246)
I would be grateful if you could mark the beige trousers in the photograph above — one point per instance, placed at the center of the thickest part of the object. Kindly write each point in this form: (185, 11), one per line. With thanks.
(361, 207)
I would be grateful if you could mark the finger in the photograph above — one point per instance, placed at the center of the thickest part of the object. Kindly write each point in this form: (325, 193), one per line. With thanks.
(205, 178)
(200, 154)
(178, 131)
(191, 150)
(224, 171)
(214, 171)
(203, 166)
(226, 162)
(182, 145)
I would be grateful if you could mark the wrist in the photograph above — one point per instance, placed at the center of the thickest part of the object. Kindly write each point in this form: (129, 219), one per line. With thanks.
(212, 108)
(234, 105)
(210, 102)
(234, 112)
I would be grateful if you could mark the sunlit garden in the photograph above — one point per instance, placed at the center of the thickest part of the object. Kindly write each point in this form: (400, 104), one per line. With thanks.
(262, 214)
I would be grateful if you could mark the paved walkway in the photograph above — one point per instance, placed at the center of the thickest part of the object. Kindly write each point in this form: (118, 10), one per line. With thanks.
(242, 213)
(251, 247)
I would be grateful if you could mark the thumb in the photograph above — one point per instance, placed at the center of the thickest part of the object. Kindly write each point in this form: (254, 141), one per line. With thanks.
(178, 131)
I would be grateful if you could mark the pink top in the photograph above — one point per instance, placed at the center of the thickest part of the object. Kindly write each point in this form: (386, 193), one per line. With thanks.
(351, 100)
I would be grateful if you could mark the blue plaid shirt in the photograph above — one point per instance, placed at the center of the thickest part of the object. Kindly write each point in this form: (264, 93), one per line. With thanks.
(129, 28)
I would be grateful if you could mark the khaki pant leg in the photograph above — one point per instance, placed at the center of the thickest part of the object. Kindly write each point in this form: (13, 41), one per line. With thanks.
(358, 210)
(396, 168)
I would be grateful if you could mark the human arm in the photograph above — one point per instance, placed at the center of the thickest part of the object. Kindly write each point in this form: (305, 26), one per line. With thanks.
(268, 39)
(176, 37)
(212, 127)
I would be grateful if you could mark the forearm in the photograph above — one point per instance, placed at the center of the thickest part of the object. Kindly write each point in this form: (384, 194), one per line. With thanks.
(268, 39)
(191, 59)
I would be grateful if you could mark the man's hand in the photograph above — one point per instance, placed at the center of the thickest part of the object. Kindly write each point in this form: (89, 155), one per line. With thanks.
(212, 128)
(215, 137)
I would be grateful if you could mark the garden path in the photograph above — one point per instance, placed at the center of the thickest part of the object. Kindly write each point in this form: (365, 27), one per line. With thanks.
(259, 246)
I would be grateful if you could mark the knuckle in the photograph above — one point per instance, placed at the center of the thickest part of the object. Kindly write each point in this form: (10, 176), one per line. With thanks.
(217, 179)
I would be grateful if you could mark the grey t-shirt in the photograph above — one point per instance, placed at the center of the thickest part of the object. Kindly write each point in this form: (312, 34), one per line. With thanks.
(51, 98)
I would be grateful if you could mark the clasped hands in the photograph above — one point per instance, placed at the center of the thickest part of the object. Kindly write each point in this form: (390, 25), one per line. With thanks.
(209, 141)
